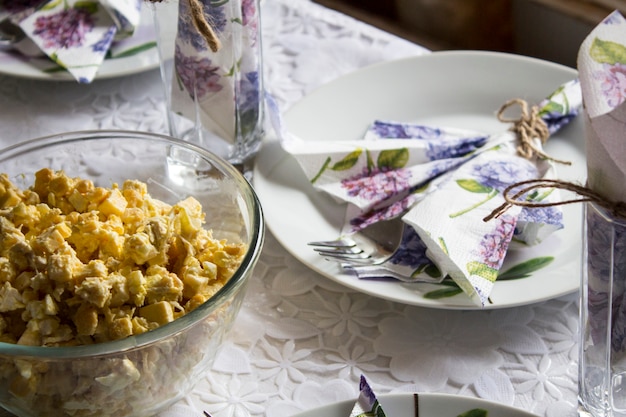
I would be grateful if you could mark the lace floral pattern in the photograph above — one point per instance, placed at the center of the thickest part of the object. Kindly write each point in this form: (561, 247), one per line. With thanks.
(301, 340)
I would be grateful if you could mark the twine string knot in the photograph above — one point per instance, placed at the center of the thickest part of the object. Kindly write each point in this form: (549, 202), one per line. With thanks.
(529, 127)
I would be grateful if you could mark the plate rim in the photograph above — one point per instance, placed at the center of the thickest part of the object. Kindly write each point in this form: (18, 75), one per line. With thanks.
(143, 61)
(404, 396)
(330, 270)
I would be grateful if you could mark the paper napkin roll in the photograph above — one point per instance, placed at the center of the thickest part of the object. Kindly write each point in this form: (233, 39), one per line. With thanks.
(76, 34)
(602, 72)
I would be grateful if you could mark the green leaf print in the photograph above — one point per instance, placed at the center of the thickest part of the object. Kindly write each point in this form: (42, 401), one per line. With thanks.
(370, 161)
(136, 50)
(429, 269)
(607, 52)
(474, 186)
(51, 5)
(393, 158)
(490, 194)
(551, 107)
(348, 161)
(443, 293)
(518, 271)
(90, 6)
(524, 269)
(321, 171)
(482, 270)
(476, 412)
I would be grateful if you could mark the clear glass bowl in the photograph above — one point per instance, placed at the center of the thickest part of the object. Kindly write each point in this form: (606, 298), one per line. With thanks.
(143, 374)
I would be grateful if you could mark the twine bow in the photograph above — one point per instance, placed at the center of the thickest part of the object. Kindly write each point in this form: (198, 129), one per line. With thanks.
(528, 127)
(617, 209)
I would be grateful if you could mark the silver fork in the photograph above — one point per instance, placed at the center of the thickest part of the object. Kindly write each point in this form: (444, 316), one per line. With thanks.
(371, 246)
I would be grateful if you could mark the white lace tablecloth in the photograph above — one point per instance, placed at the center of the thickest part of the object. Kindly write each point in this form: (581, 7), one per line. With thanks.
(302, 341)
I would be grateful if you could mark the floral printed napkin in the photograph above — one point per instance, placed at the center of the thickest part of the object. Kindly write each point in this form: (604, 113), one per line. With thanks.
(396, 169)
(219, 88)
(602, 69)
(76, 34)
(366, 404)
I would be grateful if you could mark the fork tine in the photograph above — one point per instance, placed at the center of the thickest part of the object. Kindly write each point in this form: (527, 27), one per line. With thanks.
(347, 252)
(338, 243)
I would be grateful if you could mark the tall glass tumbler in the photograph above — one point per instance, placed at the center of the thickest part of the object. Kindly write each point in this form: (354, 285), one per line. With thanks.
(602, 360)
(212, 71)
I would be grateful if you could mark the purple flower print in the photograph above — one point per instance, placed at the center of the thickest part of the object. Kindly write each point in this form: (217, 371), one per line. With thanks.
(606, 292)
(377, 184)
(412, 250)
(249, 103)
(493, 245)
(438, 141)
(492, 177)
(404, 130)
(65, 29)
(104, 43)
(442, 150)
(248, 11)
(198, 75)
(500, 174)
(542, 215)
(386, 213)
(613, 79)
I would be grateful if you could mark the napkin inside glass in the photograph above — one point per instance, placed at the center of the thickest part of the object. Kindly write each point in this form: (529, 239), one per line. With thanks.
(602, 71)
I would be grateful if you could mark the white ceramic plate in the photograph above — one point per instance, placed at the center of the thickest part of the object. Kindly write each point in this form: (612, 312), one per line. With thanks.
(422, 405)
(461, 89)
(42, 68)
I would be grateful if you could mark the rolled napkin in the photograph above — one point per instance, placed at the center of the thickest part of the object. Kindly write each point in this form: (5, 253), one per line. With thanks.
(218, 67)
(602, 69)
(443, 182)
(76, 34)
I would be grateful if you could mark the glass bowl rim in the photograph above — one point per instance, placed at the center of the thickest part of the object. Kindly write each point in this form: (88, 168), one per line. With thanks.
(182, 323)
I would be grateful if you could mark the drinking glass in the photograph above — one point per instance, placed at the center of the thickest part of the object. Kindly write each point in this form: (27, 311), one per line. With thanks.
(215, 98)
(602, 360)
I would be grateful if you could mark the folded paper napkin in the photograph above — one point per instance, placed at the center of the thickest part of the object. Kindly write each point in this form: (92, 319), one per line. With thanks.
(366, 404)
(602, 71)
(76, 34)
(218, 81)
(396, 169)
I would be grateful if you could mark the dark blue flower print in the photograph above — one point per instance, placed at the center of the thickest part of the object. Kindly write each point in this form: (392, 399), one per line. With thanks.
(454, 148)
(541, 215)
(249, 103)
(412, 250)
(556, 121)
(104, 43)
(404, 130)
